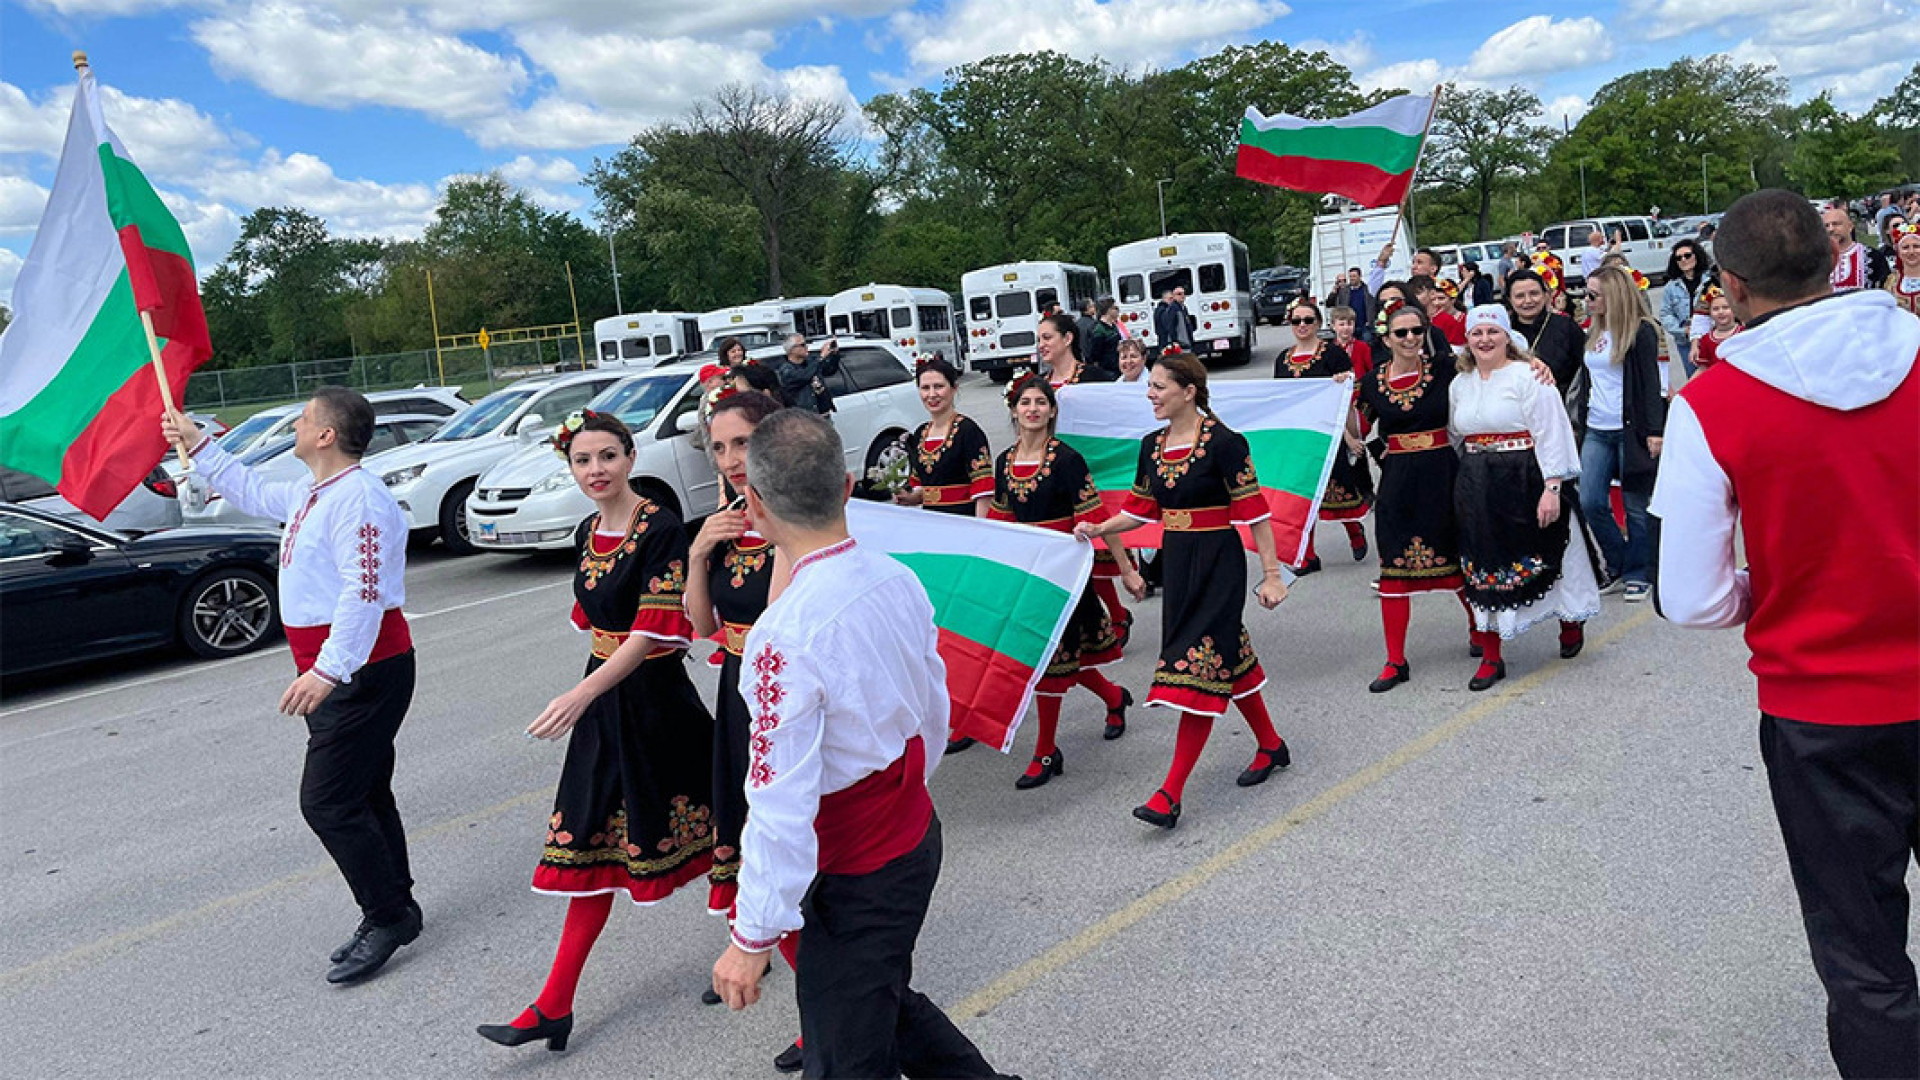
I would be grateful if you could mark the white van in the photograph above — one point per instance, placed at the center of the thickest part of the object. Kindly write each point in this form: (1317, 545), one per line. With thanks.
(1212, 267)
(1645, 245)
(918, 320)
(645, 339)
(766, 322)
(1353, 238)
(1004, 303)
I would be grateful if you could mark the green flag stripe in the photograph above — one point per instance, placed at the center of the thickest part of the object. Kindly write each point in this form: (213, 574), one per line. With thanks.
(114, 348)
(1005, 609)
(131, 200)
(1286, 459)
(1383, 148)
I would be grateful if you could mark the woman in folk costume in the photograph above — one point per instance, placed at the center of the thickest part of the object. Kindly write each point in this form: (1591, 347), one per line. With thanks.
(1519, 559)
(1043, 482)
(1059, 354)
(952, 468)
(1196, 478)
(1349, 493)
(1904, 281)
(633, 814)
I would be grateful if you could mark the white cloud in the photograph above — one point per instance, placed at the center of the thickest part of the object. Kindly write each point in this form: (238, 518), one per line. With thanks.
(1354, 53)
(350, 207)
(554, 184)
(1659, 19)
(1126, 32)
(10, 263)
(1571, 107)
(166, 136)
(1857, 63)
(1539, 44)
(1419, 76)
(211, 227)
(21, 202)
(318, 58)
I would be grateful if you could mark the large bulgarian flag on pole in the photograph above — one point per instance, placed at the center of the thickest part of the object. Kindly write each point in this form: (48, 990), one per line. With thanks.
(1368, 157)
(107, 317)
(1292, 428)
(1002, 595)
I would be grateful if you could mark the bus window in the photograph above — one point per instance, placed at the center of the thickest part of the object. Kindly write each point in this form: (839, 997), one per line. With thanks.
(1636, 229)
(1046, 298)
(840, 325)
(1175, 277)
(979, 308)
(1213, 278)
(609, 350)
(933, 318)
(1131, 290)
(662, 344)
(811, 321)
(873, 321)
(902, 318)
(1013, 305)
(1242, 277)
(634, 348)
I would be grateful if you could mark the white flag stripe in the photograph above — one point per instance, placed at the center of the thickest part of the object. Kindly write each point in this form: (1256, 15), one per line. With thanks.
(1055, 557)
(1121, 411)
(1406, 114)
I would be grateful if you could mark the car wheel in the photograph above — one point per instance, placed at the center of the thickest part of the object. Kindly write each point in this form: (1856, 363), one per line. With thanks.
(227, 612)
(453, 520)
(1001, 376)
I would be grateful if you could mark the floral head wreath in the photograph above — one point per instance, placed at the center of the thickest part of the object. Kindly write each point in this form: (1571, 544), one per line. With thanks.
(1548, 266)
(1902, 230)
(1172, 348)
(563, 436)
(1386, 312)
(1450, 287)
(1019, 387)
(1639, 279)
(1711, 293)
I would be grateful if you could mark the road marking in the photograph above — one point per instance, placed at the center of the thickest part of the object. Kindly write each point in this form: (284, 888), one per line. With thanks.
(94, 950)
(991, 996)
(196, 669)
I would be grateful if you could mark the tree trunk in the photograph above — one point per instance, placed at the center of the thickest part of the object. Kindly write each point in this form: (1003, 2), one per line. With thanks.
(773, 254)
(1486, 211)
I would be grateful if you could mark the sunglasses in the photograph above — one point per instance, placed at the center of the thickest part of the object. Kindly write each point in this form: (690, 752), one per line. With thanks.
(1303, 322)
(1688, 255)
(1407, 332)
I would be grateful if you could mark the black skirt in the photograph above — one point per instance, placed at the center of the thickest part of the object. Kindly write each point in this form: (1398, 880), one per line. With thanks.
(1507, 559)
(1206, 658)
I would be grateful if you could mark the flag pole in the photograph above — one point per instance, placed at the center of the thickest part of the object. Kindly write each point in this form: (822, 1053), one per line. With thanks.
(81, 66)
(1432, 108)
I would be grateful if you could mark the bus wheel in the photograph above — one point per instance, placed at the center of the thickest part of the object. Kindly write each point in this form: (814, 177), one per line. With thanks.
(1001, 376)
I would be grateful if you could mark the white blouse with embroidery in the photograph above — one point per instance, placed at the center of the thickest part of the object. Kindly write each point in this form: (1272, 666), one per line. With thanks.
(840, 672)
(1511, 400)
(343, 551)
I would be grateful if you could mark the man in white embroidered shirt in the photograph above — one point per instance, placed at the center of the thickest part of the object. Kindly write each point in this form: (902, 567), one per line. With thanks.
(848, 693)
(342, 567)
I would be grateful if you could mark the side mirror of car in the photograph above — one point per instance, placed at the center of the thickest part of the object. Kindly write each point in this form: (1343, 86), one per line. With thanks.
(687, 423)
(529, 425)
(70, 551)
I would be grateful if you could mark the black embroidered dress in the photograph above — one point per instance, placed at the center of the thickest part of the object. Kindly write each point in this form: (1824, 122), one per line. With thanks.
(952, 471)
(1349, 493)
(1198, 494)
(739, 578)
(1413, 512)
(633, 813)
(1056, 493)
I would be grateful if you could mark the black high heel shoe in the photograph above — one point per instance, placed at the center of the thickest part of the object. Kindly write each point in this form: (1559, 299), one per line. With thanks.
(1051, 765)
(556, 1032)
(1165, 820)
(956, 745)
(1277, 758)
(1391, 676)
(1117, 718)
(1484, 678)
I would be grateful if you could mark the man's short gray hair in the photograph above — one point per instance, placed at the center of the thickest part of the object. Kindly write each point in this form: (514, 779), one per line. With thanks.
(796, 339)
(798, 467)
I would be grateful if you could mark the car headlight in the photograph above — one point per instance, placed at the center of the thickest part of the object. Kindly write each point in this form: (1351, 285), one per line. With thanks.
(557, 482)
(403, 476)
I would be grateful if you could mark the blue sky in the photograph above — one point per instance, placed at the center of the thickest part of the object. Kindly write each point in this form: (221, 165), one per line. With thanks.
(361, 109)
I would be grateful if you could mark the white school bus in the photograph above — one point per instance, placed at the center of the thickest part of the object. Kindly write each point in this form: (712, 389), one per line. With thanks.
(1004, 304)
(645, 339)
(766, 322)
(1212, 268)
(916, 319)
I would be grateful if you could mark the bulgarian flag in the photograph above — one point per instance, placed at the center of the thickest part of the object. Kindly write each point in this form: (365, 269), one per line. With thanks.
(1292, 427)
(80, 399)
(1002, 595)
(1368, 157)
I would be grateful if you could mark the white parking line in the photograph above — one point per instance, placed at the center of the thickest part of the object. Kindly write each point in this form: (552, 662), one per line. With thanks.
(198, 669)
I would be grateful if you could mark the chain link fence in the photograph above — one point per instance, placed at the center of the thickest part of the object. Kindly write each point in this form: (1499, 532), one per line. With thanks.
(210, 390)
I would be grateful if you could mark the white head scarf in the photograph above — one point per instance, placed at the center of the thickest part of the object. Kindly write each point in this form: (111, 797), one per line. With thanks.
(1494, 314)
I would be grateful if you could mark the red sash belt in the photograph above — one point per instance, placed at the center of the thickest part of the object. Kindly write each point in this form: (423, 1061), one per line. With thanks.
(1492, 443)
(1200, 519)
(1416, 441)
(306, 641)
(945, 494)
(877, 820)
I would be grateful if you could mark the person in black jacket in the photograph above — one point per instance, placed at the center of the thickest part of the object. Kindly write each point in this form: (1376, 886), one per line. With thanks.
(1101, 342)
(1625, 419)
(803, 375)
(1553, 337)
(1171, 323)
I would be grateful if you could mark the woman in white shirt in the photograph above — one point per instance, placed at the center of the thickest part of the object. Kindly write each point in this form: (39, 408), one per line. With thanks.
(1625, 420)
(1518, 555)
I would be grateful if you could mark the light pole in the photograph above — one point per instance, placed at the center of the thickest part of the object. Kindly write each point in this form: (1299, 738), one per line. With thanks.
(615, 261)
(1160, 192)
(1703, 184)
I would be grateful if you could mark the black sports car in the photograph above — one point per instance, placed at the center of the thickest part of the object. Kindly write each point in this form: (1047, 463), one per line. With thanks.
(72, 592)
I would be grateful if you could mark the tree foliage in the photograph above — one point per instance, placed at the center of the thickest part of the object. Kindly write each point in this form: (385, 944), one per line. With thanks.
(1484, 141)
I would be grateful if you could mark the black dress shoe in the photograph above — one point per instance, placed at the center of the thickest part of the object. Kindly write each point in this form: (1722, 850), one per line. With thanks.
(1571, 649)
(1276, 758)
(1311, 566)
(790, 1059)
(1165, 820)
(556, 1032)
(1483, 678)
(372, 952)
(1393, 676)
(360, 931)
(1360, 551)
(954, 746)
(708, 997)
(1052, 765)
(1117, 718)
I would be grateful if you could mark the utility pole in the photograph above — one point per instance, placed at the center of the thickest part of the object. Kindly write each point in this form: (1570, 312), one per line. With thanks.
(1566, 127)
(1703, 184)
(614, 261)
(1160, 190)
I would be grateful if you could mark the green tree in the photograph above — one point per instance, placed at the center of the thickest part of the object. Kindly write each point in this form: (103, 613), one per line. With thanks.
(499, 259)
(1899, 112)
(1483, 140)
(296, 276)
(1840, 155)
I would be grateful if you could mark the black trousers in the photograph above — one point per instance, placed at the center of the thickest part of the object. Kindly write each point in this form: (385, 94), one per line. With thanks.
(1848, 799)
(346, 792)
(859, 1018)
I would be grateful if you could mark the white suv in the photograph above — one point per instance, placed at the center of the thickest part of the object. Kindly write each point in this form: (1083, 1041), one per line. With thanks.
(1644, 242)
(530, 501)
(431, 479)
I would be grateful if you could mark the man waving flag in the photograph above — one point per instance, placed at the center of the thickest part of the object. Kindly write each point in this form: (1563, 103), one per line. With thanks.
(79, 401)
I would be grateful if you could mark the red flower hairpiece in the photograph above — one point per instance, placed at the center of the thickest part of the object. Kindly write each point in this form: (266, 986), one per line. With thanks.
(1019, 386)
(563, 437)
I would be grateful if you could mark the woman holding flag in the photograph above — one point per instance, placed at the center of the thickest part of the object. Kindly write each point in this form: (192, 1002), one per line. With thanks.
(1058, 350)
(1195, 476)
(1349, 493)
(952, 467)
(1043, 482)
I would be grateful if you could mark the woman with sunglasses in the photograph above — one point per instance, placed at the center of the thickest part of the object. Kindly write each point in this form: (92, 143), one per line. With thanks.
(1349, 493)
(1682, 309)
(1043, 482)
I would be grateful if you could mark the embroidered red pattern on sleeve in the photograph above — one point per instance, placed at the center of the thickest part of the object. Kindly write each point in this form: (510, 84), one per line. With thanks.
(369, 563)
(767, 696)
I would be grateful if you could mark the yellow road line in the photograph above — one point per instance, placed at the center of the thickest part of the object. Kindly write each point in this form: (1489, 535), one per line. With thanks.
(1162, 896)
(112, 943)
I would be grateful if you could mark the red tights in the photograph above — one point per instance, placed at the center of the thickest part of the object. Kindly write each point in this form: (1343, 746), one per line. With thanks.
(1397, 611)
(586, 917)
(1356, 538)
(1047, 707)
(1192, 737)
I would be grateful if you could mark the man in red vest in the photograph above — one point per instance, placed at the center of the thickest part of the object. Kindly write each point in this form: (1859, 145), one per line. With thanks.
(1809, 433)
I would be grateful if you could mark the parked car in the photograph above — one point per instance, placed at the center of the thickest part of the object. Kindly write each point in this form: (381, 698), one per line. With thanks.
(529, 501)
(80, 592)
(274, 461)
(1645, 244)
(1273, 289)
(152, 504)
(432, 478)
(209, 423)
(269, 424)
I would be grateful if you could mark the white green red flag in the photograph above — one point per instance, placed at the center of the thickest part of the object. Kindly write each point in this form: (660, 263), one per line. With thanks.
(80, 403)
(1368, 157)
(1292, 428)
(1002, 595)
